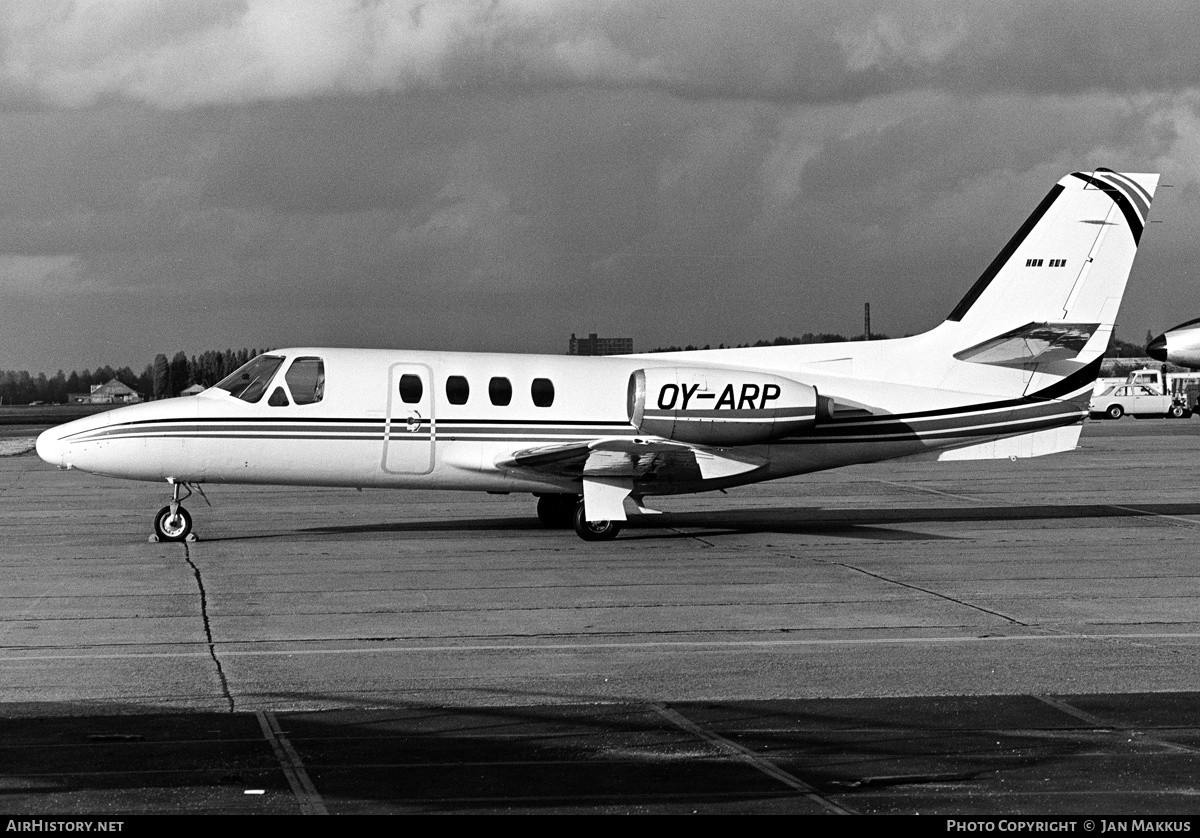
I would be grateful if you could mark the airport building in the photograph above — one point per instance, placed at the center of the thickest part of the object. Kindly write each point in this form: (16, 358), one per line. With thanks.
(111, 392)
(593, 345)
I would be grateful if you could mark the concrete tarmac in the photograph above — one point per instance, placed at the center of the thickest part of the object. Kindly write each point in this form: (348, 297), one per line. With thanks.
(975, 638)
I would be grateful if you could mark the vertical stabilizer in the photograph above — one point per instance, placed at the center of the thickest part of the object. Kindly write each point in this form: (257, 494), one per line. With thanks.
(1048, 302)
(1070, 259)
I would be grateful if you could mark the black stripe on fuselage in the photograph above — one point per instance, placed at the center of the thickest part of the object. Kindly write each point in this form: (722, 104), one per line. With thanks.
(1002, 258)
(999, 429)
(1007, 418)
(366, 421)
(1076, 382)
(947, 422)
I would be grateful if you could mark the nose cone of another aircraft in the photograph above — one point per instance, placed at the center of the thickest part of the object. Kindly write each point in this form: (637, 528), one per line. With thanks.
(1180, 345)
(1157, 348)
(50, 446)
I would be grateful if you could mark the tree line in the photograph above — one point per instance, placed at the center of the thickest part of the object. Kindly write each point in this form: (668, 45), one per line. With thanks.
(160, 379)
(807, 337)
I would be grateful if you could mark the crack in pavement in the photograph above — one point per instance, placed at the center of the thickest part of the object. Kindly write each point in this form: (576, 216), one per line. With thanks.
(212, 646)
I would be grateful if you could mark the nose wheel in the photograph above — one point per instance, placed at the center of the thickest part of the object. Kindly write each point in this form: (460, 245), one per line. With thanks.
(173, 522)
(172, 525)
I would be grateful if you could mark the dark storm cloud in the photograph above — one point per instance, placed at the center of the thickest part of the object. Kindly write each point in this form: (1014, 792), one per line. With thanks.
(186, 54)
(497, 175)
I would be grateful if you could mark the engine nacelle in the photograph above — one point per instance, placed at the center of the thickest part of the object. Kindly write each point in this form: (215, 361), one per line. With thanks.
(719, 407)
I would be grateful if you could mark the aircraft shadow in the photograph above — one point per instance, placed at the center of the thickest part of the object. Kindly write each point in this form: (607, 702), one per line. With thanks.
(873, 524)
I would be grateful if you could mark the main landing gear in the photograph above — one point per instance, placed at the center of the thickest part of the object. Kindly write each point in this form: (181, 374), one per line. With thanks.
(173, 522)
(562, 511)
(557, 511)
(594, 530)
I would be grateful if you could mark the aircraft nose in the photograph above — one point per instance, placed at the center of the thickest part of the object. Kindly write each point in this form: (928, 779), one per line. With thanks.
(50, 447)
(1157, 348)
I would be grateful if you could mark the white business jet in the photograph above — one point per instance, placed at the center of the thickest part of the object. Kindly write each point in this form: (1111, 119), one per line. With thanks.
(1008, 374)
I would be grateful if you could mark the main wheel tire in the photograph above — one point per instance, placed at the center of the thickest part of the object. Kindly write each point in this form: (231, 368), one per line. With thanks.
(557, 511)
(1177, 411)
(1115, 411)
(594, 530)
(547, 510)
(172, 527)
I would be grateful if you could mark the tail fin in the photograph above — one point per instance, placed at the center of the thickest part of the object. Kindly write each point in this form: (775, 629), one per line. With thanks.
(1052, 268)
(1031, 332)
(1048, 302)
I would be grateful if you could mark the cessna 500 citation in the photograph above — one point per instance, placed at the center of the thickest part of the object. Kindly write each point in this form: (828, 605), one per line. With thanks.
(1008, 374)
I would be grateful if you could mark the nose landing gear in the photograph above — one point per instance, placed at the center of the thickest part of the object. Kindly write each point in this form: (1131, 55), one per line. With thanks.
(173, 522)
(172, 525)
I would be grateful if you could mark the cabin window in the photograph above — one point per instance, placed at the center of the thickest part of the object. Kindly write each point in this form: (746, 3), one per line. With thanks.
(411, 388)
(306, 379)
(249, 381)
(542, 391)
(278, 398)
(457, 389)
(500, 391)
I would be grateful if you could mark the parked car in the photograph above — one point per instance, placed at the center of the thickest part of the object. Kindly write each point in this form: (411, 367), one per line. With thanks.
(1136, 400)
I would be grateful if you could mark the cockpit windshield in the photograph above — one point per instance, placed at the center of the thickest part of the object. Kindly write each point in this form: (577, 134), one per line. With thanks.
(249, 381)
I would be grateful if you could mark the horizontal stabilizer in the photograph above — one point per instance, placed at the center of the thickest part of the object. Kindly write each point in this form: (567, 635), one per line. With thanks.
(1033, 343)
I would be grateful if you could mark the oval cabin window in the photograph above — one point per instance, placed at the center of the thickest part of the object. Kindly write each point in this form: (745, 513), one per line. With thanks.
(542, 391)
(500, 391)
(411, 388)
(457, 389)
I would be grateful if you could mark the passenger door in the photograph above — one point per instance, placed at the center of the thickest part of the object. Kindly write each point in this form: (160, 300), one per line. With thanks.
(410, 431)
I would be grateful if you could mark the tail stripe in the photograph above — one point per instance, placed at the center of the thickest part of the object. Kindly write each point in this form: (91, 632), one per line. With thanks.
(1083, 377)
(985, 279)
(1129, 183)
(1143, 206)
(1122, 200)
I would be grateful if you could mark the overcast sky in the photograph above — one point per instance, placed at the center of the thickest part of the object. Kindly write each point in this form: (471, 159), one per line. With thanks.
(201, 174)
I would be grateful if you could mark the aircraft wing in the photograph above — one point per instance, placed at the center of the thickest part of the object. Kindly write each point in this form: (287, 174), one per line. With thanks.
(636, 460)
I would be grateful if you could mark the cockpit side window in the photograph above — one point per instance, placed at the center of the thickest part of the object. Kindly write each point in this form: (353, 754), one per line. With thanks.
(306, 379)
(249, 381)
